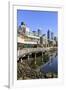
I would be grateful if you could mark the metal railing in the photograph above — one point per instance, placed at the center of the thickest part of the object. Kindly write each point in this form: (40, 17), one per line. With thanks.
(31, 50)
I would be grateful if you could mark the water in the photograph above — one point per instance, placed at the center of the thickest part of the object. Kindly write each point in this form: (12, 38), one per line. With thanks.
(51, 66)
(45, 65)
(41, 67)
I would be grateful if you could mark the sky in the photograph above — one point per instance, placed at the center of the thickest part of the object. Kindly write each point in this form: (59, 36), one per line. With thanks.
(43, 20)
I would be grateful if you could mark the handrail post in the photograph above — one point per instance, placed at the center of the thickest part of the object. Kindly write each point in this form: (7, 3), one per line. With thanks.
(35, 58)
(28, 57)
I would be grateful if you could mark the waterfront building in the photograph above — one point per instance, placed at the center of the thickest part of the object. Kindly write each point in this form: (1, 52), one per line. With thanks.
(39, 32)
(49, 38)
(48, 34)
(56, 40)
(52, 37)
(43, 40)
(26, 38)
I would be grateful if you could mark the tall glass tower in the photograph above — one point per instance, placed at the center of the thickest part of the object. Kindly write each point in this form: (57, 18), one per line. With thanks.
(48, 34)
(52, 37)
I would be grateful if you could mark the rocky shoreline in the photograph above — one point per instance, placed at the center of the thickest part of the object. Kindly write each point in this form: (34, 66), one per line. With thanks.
(25, 72)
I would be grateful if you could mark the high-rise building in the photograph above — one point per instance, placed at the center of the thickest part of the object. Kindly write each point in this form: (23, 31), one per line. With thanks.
(43, 40)
(52, 37)
(39, 32)
(48, 34)
(26, 37)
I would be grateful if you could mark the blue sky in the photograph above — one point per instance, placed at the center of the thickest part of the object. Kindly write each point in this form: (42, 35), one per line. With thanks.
(39, 19)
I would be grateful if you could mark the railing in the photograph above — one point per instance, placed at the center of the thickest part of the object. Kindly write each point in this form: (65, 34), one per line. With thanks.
(32, 50)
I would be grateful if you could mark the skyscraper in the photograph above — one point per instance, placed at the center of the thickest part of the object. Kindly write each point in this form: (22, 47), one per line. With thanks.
(48, 34)
(39, 32)
(52, 36)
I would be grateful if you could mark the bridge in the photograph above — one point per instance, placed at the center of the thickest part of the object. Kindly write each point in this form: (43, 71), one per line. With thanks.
(28, 51)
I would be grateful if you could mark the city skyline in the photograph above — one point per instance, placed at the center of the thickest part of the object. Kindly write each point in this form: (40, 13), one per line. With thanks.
(43, 20)
(37, 44)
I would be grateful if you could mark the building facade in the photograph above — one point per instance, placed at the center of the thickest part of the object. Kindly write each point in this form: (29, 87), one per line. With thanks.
(27, 38)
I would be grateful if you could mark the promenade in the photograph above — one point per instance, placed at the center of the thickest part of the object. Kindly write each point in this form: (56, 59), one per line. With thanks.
(27, 51)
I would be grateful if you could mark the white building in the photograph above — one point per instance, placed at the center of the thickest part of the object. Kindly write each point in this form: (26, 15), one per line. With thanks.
(27, 37)
(44, 40)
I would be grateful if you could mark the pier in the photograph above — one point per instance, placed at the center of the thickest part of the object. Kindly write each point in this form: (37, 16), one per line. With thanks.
(28, 51)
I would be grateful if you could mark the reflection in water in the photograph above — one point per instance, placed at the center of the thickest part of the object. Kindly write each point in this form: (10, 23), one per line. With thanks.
(45, 66)
(51, 65)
